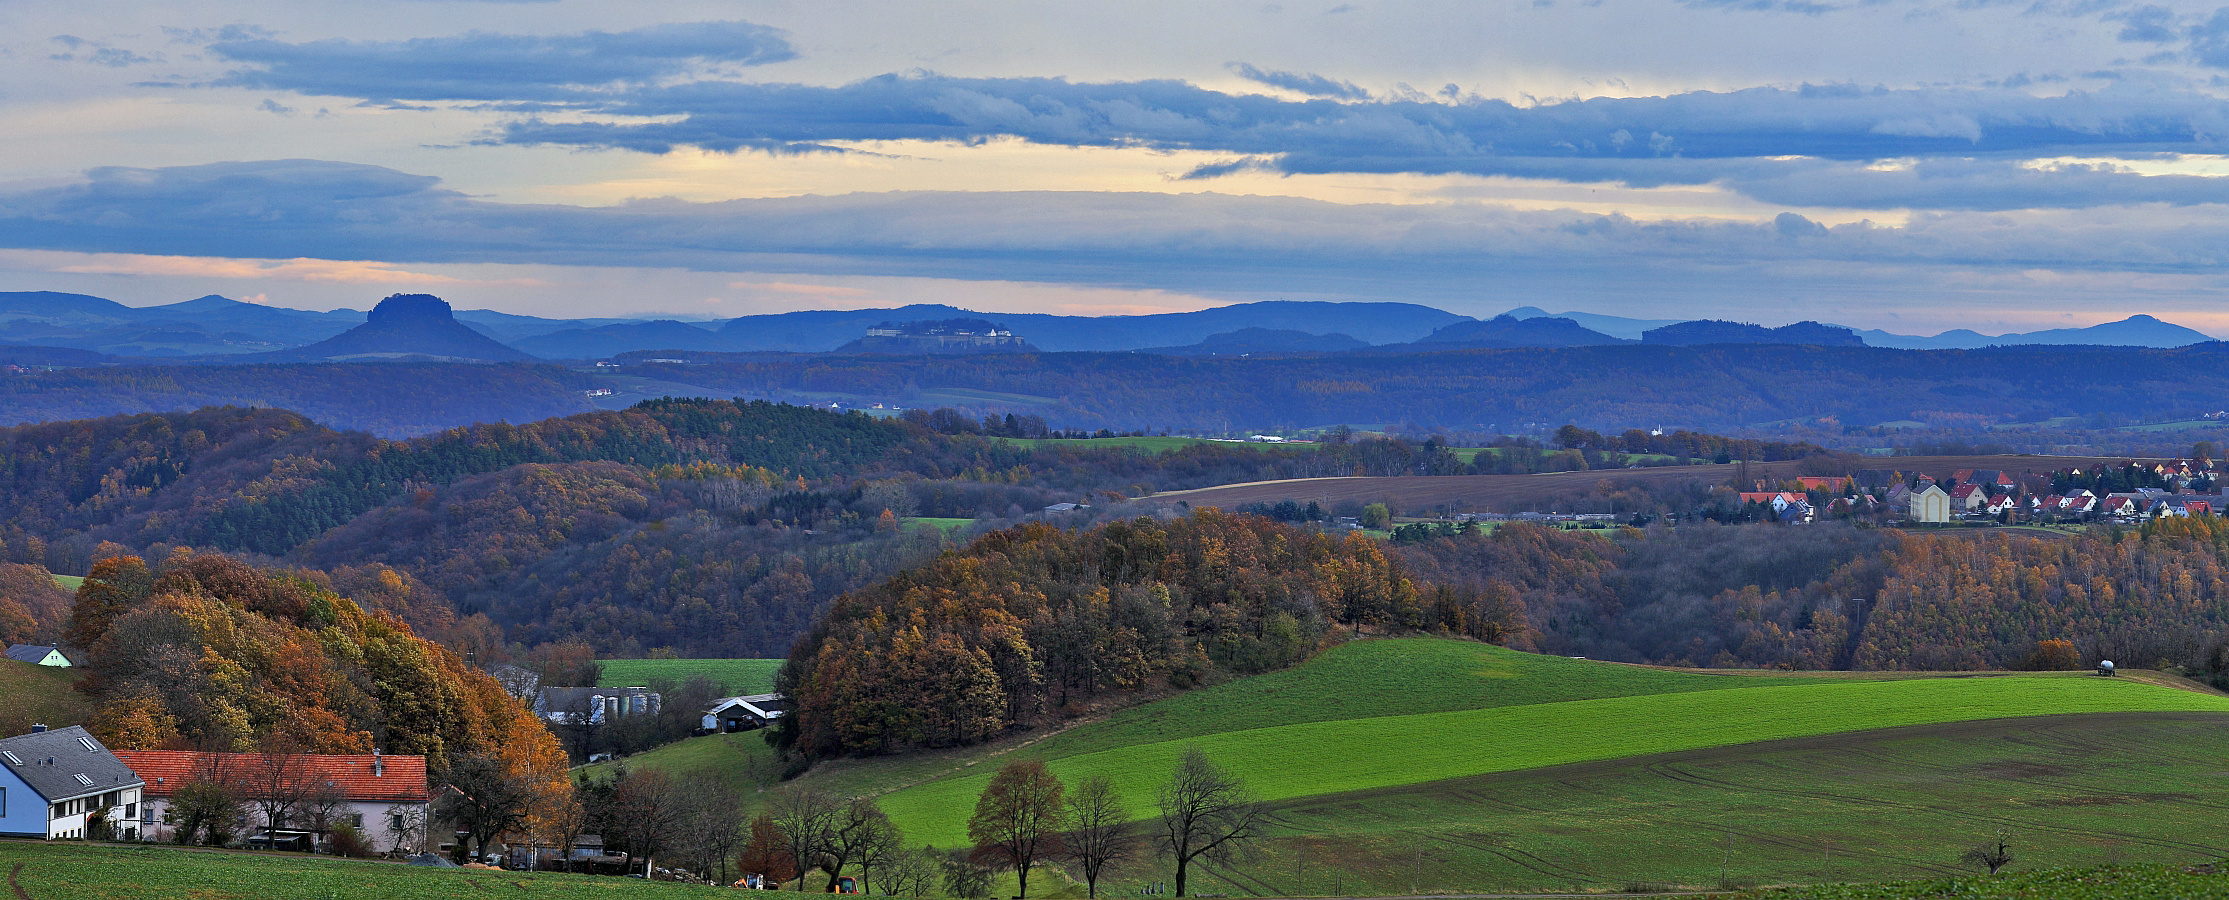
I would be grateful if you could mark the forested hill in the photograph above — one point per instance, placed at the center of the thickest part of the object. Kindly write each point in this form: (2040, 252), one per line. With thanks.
(1031, 623)
(390, 399)
(1719, 387)
(708, 527)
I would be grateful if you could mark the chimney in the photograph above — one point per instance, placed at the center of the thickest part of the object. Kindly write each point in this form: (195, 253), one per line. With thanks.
(377, 770)
(35, 729)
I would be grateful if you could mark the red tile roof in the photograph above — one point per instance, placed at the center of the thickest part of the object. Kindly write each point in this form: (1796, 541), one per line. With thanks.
(402, 779)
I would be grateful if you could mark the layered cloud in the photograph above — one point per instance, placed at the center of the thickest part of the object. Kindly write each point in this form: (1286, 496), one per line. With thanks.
(1955, 148)
(502, 68)
(324, 210)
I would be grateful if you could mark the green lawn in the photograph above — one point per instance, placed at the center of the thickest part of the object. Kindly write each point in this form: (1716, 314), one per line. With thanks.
(70, 870)
(946, 523)
(735, 676)
(73, 582)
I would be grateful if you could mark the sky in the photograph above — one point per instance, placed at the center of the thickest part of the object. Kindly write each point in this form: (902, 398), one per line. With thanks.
(1900, 164)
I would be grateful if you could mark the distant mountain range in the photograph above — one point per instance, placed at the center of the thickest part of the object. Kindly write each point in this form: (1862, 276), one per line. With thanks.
(49, 328)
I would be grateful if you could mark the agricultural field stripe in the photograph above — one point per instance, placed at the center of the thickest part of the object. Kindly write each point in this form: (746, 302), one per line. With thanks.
(1289, 761)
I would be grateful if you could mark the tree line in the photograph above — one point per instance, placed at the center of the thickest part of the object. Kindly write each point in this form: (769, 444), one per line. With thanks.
(1026, 624)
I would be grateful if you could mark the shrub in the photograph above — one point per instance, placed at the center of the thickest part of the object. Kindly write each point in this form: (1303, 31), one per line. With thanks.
(349, 842)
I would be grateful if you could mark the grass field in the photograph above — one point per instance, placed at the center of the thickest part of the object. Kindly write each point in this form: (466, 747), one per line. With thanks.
(42, 694)
(73, 582)
(78, 871)
(735, 676)
(2091, 883)
(1437, 765)
(946, 523)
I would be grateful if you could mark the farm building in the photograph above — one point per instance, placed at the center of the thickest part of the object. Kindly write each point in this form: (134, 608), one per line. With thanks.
(593, 705)
(385, 797)
(745, 713)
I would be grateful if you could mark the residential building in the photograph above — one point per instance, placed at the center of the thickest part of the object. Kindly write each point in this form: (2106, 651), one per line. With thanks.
(38, 655)
(384, 797)
(53, 780)
(1929, 505)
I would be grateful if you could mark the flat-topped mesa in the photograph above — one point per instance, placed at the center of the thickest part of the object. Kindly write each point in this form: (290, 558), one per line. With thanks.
(401, 309)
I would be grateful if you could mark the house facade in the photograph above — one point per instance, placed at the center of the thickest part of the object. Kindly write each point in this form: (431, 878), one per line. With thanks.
(1929, 504)
(385, 797)
(53, 780)
(38, 655)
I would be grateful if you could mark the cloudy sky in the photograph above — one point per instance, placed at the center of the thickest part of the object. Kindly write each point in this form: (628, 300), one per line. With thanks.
(1902, 164)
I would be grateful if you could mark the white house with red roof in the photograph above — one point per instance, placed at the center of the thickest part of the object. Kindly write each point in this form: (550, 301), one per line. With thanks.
(385, 797)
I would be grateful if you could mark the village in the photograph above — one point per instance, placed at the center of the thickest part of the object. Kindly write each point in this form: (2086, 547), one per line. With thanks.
(2069, 495)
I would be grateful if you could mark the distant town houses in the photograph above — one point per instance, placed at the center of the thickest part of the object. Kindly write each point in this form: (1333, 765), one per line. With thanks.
(2144, 490)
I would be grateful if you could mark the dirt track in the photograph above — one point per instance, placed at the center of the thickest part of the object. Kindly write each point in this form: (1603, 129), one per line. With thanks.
(1515, 493)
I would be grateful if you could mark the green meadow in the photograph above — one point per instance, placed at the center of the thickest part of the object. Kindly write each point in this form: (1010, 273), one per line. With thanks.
(1424, 764)
(71, 870)
(73, 582)
(41, 694)
(735, 676)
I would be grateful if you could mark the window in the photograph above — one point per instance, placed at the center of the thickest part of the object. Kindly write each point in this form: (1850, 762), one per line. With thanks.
(87, 743)
(81, 779)
(354, 820)
(3, 803)
(13, 759)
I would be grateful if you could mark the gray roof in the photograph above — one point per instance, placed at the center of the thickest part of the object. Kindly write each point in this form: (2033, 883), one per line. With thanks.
(30, 653)
(74, 765)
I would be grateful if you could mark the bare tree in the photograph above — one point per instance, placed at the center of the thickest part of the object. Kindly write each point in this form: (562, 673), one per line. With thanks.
(807, 820)
(484, 799)
(1018, 818)
(323, 805)
(1096, 836)
(858, 825)
(884, 842)
(407, 823)
(1996, 854)
(710, 824)
(276, 788)
(209, 801)
(910, 873)
(964, 877)
(1205, 813)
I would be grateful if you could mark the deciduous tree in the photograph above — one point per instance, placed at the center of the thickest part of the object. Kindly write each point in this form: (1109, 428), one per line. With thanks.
(1205, 813)
(1019, 817)
(1096, 836)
